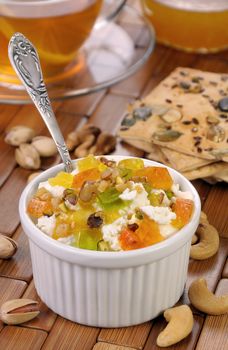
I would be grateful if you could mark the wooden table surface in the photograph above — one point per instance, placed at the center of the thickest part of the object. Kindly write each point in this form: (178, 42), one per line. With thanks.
(105, 109)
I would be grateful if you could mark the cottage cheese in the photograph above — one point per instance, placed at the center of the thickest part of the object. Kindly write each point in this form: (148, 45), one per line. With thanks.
(161, 215)
(167, 230)
(111, 232)
(128, 195)
(181, 194)
(140, 198)
(56, 191)
(47, 224)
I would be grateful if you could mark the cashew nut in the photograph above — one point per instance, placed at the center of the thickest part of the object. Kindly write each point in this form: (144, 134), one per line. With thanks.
(180, 325)
(83, 150)
(194, 239)
(105, 144)
(203, 217)
(204, 300)
(208, 242)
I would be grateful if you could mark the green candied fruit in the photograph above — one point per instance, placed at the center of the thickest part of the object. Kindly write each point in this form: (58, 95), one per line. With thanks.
(103, 246)
(156, 198)
(86, 239)
(131, 163)
(169, 194)
(109, 196)
(125, 173)
(147, 187)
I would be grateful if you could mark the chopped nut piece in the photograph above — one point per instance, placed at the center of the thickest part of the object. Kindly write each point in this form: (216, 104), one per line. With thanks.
(88, 189)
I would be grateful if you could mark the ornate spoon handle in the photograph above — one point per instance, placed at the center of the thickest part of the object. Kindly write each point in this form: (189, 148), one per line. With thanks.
(25, 61)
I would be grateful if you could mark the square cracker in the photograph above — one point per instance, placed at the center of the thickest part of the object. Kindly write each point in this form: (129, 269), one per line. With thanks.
(194, 98)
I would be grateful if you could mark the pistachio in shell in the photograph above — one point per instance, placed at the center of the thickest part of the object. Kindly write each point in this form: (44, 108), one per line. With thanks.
(19, 134)
(8, 247)
(171, 116)
(216, 133)
(44, 145)
(18, 311)
(166, 135)
(27, 156)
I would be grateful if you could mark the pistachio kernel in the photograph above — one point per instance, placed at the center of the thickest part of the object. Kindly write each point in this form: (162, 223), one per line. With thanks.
(70, 196)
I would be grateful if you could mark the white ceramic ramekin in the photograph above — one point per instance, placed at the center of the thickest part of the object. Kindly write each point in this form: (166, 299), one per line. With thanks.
(109, 289)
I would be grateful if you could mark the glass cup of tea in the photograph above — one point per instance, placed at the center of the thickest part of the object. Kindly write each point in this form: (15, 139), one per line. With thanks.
(57, 28)
(191, 25)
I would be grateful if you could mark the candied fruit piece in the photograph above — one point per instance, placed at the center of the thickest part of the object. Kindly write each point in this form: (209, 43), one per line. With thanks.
(147, 234)
(109, 196)
(183, 209)
(131, 163)
(157, 177)
(86, 175)
(62, 179)
(156, 198)
(90, 162)
(38, 208)
(87, 239)
(129, 240)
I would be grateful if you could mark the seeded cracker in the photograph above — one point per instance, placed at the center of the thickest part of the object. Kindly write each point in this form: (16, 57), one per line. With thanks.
(187, 113)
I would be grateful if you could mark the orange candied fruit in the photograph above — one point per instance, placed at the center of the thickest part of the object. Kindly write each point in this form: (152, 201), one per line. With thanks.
(38, 208)
(86, 175)
(129, 240)
(157, 177)
(183, 209)
(147, 234)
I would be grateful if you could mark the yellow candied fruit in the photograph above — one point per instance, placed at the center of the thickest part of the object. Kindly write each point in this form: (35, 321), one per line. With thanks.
(62, 179)
(131, 163)
(91, 162)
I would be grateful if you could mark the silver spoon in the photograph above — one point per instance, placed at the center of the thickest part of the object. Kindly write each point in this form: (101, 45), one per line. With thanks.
(25, 61)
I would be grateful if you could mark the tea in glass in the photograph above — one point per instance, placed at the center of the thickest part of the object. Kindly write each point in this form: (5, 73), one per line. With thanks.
(191, 25)
(57, 28)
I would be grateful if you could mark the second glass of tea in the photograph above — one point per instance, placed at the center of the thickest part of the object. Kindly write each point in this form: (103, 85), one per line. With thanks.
(191, 25)
(57, 28)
